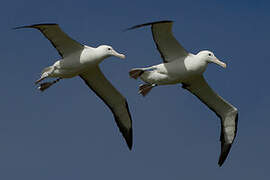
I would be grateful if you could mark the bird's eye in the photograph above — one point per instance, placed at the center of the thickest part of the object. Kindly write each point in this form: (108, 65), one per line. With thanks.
(209, 54)
(109, 49)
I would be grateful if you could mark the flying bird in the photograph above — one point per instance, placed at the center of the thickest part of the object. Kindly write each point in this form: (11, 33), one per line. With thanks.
(180, 66)
(81, 60)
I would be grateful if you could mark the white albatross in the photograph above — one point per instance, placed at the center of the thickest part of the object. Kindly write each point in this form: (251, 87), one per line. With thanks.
(81, 60)
(180, 66)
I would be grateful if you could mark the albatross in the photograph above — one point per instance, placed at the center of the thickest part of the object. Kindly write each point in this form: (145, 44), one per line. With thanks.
(180, 66)
(81, 60)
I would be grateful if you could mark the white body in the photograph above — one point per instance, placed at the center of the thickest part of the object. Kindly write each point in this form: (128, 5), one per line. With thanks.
(76, 63)
(178, 71)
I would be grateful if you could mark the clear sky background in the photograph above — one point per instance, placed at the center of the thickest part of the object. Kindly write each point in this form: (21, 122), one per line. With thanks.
(68, 133)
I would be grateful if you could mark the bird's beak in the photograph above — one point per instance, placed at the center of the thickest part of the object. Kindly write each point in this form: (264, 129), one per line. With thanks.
(218, 62)
(114, 53)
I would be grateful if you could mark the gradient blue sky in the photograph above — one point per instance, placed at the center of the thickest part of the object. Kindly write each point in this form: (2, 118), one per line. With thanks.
(68, 133)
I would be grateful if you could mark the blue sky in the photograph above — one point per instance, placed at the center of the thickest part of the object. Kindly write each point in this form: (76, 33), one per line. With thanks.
(68, 133)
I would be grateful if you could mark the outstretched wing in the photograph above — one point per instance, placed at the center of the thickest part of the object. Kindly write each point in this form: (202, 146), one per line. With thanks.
(96, 81)
(59, 39)
(169, 48)
(224, 110)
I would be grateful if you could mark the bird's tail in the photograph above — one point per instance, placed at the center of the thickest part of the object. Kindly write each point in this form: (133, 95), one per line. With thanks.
(45, 73)
(136, 72)
(47, 70)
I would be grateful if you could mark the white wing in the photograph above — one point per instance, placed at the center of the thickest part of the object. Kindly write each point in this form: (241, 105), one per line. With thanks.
(96, 81)
(168, 47)
(224, 110)
(60, 40)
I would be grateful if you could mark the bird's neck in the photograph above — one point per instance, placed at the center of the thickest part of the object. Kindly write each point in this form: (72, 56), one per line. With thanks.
(196, 64)
(100, 55)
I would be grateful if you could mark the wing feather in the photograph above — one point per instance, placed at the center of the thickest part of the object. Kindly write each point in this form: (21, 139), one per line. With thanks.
(169, 48)
(59, 39)
(96, 81)
(223, 109)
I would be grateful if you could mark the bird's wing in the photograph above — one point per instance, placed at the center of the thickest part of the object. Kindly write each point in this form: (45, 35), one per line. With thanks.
(224, 110)
(169, 48)
(96, 81)
(59, 39)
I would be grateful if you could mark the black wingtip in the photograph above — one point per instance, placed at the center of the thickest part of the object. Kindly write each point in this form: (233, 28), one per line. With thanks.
(147, 24)
(126, 132)
(225, 149)
(20, 27)
(33, 25)
(129, 138)
(220, 163)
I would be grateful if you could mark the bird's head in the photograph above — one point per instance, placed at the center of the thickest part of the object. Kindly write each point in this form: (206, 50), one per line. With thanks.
(209, 57)
(108, 51)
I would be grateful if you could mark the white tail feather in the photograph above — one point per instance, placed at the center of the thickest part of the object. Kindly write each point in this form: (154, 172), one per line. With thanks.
(45, 73)
(47, 69)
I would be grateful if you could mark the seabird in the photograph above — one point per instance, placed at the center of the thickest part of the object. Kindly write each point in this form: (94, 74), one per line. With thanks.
(81, 60)
(180, 66)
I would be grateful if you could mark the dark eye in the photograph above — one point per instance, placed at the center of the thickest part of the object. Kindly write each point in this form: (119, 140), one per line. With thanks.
(109, 49)
(209, 54)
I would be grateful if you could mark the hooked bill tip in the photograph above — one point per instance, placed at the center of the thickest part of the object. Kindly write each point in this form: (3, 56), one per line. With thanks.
(220, 63)
(122, 56)
(224, 65)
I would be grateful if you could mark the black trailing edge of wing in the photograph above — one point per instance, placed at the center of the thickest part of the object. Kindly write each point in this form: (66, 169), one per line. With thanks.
(127, 133)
